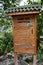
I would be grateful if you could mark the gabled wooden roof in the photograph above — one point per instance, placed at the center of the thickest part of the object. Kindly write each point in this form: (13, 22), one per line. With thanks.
(20, 10)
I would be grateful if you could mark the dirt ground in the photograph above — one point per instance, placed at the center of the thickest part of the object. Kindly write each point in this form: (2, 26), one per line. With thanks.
(11, 62)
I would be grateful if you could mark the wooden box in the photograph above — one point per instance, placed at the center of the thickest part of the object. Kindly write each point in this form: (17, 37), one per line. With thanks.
(24, 28)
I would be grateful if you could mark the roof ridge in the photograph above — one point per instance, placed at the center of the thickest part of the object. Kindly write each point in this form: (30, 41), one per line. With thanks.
(24, 8)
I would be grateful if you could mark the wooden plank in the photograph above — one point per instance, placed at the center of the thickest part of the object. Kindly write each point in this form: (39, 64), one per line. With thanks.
(21, 13)
(25, 49)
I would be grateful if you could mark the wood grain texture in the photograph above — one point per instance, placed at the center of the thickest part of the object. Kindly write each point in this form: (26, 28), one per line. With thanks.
(21, 13)
(24, 34)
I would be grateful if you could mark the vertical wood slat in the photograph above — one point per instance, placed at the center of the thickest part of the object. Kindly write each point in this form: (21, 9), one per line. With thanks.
(35, 29)
(15, 54)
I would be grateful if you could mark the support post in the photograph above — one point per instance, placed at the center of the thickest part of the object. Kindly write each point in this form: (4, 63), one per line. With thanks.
(15, 59)
(34, 60)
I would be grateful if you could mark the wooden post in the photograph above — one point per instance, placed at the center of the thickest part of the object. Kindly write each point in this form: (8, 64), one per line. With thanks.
(34, 60)
(15, 59)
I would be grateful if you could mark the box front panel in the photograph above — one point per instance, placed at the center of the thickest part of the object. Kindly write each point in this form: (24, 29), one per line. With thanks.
(24, 36)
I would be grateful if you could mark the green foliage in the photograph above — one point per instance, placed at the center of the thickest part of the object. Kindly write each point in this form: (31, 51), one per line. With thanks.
(6, 28)
(42, 2)
(10, 3)
(34, 2)
(5, 34)
(6, 42)
(39, 27)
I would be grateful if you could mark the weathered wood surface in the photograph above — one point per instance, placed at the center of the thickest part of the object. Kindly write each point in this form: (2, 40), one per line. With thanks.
(21, 13)
(24, 34)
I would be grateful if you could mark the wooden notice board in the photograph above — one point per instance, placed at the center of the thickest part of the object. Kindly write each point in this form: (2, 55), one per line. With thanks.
(24, 34)
(24, 29)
